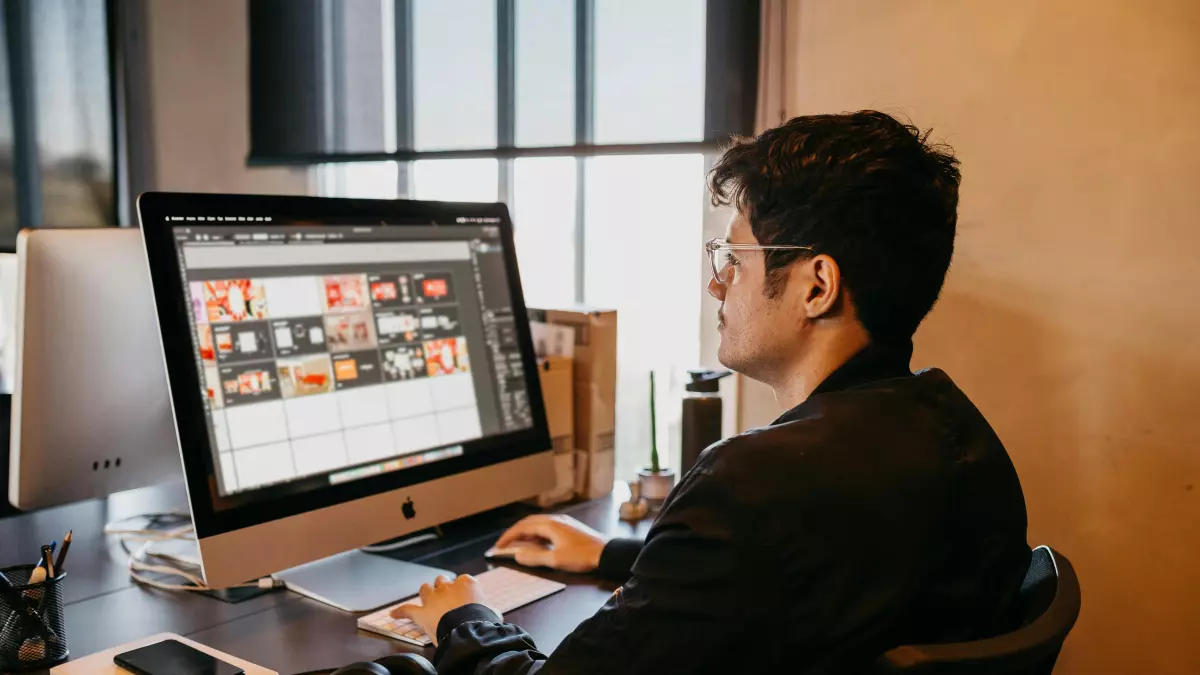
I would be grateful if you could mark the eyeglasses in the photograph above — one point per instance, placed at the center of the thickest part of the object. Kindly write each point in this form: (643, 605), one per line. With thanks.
(719, 256)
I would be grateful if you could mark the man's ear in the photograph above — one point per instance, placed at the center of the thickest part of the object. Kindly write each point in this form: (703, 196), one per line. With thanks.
(821, 285)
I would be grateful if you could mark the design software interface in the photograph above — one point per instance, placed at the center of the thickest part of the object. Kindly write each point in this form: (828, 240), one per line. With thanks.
(330, 354)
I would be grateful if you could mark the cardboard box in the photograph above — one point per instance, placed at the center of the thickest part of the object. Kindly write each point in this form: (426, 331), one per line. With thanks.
(552, 339)
(595, 392)
(556, 373)
(594, 473)
(564, 481)
(558, 393)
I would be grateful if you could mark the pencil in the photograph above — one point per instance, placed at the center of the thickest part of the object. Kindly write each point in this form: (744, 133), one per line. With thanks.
(62, 554)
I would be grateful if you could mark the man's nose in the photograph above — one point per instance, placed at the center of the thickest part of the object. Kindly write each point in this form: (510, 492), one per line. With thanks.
(715, 289)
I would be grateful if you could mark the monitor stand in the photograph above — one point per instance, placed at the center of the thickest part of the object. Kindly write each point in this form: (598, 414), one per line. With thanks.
(359, 582)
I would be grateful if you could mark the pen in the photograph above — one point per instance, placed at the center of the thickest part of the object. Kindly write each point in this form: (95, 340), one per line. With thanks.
(41, 561)
(48, 560)
(62, 554)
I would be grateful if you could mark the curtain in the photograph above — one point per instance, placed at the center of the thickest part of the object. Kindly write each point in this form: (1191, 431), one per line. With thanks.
(756, 402)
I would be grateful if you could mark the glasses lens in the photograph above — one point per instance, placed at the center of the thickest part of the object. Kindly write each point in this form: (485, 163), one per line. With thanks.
(719, 259)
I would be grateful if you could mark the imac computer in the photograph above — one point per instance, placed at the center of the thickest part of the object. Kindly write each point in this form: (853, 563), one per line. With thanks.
(90, 413)
(341, 372)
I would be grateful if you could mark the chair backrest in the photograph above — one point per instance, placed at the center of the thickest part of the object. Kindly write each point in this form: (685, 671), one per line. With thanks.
(1051, 601)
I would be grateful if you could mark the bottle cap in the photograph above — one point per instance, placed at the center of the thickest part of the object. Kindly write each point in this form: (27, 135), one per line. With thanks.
(706, 381)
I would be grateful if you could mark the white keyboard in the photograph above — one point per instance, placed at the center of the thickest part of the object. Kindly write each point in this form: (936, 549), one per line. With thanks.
(505, 589)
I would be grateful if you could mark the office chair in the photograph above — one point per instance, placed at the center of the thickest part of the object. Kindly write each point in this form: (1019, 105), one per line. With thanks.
(1051, 600)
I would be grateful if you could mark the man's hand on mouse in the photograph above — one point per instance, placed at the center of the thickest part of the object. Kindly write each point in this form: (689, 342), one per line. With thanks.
(566, 543)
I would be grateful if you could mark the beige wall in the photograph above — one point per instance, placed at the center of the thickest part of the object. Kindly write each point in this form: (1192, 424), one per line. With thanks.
(199, 76)
(1072, 309)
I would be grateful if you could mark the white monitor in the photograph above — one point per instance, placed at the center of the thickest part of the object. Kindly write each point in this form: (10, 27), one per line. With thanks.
(341, 372)
(90, 412)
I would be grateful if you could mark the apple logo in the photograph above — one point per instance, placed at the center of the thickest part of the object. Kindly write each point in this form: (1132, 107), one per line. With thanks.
(408, 510)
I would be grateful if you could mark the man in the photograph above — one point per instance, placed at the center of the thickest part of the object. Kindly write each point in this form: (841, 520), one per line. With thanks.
(879, 510)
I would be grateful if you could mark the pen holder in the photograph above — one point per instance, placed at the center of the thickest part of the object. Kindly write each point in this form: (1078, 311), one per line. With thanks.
(32, 631)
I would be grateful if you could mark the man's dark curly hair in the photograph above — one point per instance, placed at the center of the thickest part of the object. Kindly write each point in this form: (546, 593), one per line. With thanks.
(863, 188)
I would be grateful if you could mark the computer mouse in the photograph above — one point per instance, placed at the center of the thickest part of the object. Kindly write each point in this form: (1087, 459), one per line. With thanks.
(509, 552)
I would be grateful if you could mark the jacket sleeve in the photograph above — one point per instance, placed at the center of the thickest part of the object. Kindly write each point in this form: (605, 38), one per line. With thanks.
(473, 641)
(617, 558)
(678, 613)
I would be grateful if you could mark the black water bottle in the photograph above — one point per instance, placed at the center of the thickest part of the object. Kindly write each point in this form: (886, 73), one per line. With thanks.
(701, 415)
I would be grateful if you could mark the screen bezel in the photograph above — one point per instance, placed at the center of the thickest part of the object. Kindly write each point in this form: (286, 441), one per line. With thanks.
(184, 381)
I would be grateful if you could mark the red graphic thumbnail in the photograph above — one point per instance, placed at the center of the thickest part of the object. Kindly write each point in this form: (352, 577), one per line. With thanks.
(435, 289)
(383, 291)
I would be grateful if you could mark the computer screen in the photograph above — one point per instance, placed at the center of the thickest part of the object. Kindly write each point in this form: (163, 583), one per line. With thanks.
(341, 371)
(330, 353)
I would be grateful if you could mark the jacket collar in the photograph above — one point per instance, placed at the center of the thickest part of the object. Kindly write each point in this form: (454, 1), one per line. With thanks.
(871, 363)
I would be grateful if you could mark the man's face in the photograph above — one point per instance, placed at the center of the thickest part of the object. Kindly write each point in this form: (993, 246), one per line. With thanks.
(758, 334)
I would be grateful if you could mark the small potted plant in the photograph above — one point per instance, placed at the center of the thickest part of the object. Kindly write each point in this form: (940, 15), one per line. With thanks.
(655, 479)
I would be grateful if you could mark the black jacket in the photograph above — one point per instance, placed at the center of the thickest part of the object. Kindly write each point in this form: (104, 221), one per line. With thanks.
(881, 511)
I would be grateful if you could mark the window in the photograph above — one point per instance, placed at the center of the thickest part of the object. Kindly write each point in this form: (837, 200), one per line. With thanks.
(454, 41)
(544, 204)
(545, 66)
(56, 135)
(8, 185)
(649, 58)
(74, 133)
(642, 232)
(362, 180)
(456, 180)
(592, 120)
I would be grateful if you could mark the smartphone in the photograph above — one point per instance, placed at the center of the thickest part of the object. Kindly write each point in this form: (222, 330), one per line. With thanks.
(172, 657)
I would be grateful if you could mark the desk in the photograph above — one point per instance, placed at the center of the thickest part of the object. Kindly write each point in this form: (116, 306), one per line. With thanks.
(281, 631)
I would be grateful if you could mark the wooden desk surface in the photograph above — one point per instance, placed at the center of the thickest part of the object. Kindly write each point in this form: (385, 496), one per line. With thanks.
(281, 631)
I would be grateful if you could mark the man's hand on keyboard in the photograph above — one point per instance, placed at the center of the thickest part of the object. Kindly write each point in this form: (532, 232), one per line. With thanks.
(439, 598)
(572, 546)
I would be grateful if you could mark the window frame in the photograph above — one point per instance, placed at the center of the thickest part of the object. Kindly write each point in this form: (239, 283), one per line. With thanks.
(732, 33)
(26, 154)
